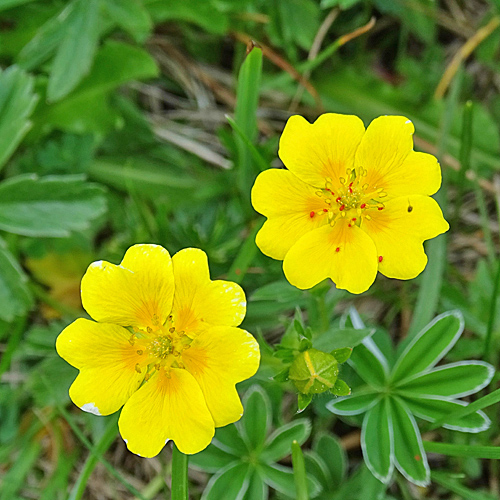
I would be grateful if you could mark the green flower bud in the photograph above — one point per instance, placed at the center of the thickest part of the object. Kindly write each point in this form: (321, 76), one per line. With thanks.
(314, 372)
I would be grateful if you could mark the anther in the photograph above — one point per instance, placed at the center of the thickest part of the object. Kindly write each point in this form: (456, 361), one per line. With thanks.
(367, 217)
(146, 377)
(137, 368)
(380, 208)
(170, 318)
(380, 259)
(341, 207)
(312, 214)
(155, 320)
(149, 329)
(325, 210)
(172, 330)
(132, 339)
(140, 352)
(157, 366)
(319, 193)
(342, 181)
(363, 205)
(337, 249)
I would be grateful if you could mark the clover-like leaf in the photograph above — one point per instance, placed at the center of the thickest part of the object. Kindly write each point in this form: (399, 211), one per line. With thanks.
(377, 441)
(409, 455)
(436, 408)
(340, 388)
(430, 345)
(228, 439)
(454, 380)
(342, 354)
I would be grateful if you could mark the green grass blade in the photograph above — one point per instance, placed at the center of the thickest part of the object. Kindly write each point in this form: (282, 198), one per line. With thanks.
(245, 256)
(462, 450)
(488, 352)
(95, 452)
(450, 484)
(484, 402)
(299, 472)
(246, 117)
(101, 447)
(259, 160)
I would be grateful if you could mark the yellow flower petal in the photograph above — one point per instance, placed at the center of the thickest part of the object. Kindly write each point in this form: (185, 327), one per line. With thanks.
(386, 144)
(218, 359)
(345, 254)
(419, 173)
(167, 408)
(107, 364)
(321, 150)
(399, 230)
(289, 204)
(138, 292)
(199, 302)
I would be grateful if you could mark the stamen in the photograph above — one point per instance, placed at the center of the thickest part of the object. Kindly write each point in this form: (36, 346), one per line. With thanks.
(140, 352)
(137, 368)
(337, 249)
(341, 207)
(172, 330)
(312, 214)
(155, 320)
(157, 366)
(132, 339)
(149, 329)
(363, 205)
(380, 259)
(146, 377)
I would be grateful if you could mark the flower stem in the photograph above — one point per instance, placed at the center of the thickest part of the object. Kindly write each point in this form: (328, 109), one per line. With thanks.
(179, 475)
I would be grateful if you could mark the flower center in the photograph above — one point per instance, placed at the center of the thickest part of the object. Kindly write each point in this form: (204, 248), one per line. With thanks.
(160, 348)
(352, 198)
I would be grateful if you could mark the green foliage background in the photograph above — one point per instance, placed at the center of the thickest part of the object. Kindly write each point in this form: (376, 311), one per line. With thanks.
(128, 121)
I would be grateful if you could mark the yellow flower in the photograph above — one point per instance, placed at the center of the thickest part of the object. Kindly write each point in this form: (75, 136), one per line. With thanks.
(351, 202)
(164, 344)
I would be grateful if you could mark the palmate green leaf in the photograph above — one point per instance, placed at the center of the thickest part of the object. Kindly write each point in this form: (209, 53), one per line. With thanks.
(377, 441)
(430, 345)
(370, 364)
(51, 206)
(46, 40)
(230, 482)
(279, 443)
(115, 64)
(211, 459)
(338, 338)
(333, 455)
(454, 380)
(9, 4)
(15, 297)
(132, 16)
(359, 402)
(229, 440)
(17, 101)
(257, 489)
(437, 409)
(76, 49)
(256, 421)
(281, 479)
(409, 455)
(204, 13)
